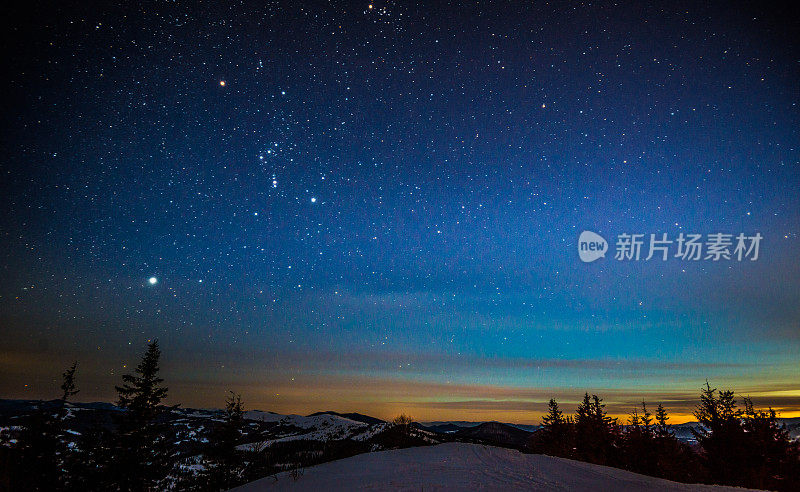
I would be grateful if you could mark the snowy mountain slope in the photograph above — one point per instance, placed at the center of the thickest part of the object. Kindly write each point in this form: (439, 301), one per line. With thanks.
(459, 466)
(305, 422)
(317, 427)
(358, 417)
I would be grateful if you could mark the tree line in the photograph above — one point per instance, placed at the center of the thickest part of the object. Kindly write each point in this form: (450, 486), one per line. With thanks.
(735, 446)
(137, 450)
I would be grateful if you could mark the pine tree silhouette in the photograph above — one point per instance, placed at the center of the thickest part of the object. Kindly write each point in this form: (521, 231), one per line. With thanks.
(634, 420)
(43, 456)
(68, 387)
(745, 447)
(638, 450)
(556, 434)
(596, 434)
(647, 418)
(224, 462)
(771, 455)
(721, 435)
(142, 394)
(662, 428)
(143, 454)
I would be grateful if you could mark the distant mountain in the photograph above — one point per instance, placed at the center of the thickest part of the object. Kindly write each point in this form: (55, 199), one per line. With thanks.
(358, 417)
(525, 427)
(323, 426)
(10, 408)
(441, 428)
(497, 434)
(450, 426)
(457, 423)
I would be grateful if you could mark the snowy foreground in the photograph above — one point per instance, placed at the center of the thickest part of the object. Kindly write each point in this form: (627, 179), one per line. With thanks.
(460, 466)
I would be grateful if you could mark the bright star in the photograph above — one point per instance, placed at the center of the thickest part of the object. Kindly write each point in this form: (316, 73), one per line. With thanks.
(152, 280)
(313, 199)
(222, 83)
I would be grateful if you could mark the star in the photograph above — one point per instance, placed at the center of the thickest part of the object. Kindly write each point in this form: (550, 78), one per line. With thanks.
(152, 281)
(222, 83)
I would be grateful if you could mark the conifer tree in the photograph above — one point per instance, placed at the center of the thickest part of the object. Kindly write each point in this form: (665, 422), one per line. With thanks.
(68, 387)
(771, 455)
(43, 453)
(225, 463)
(633, 419)
(647, 418)
(555, 436)
(554, 417)
(721, 435)
(596, 433)
(637, 443)
(662, 427)
(143, 450)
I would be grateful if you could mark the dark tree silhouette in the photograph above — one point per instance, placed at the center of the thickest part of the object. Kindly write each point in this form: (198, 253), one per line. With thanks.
(225, 463)
(662, 428)
(556, 435)
(721, 435)
(638, 450)
(745, 447)
(674, 460)
(596, 434)
(68, 387)
(142, 394)
(42, 455)
(772, 457)
(554, 417)
(403, 423)
(143, 454)
(652, 449)
(646, 418)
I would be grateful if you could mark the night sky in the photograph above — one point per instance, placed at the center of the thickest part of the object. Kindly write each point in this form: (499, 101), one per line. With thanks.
(376, 207)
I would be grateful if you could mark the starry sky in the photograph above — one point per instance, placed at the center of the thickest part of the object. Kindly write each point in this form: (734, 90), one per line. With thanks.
(375, 207)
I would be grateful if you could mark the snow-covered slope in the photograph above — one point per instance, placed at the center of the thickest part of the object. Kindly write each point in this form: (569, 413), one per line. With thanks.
(321, 427)
(303, 422)
(459, 466)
